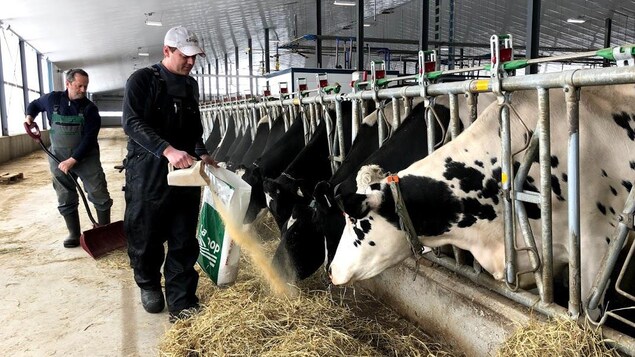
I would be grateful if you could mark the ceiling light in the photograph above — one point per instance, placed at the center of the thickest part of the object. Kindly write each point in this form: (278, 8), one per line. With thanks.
(154, 23)
(143, 54)
(343, 3)
(366, 25)
(151, 22)
(576, 20)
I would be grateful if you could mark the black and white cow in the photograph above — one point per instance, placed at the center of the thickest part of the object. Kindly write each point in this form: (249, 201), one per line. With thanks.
(238, 141)
(453, 195)
(214, 138)
(226, 141)
(312, 164)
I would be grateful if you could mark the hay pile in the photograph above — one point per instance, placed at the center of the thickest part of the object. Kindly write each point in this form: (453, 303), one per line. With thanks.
(247, 319)
(557, 337)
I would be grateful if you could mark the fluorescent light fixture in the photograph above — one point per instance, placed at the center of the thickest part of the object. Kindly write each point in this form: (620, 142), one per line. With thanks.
(367, 25)
(576, 20)
(154, 23)
(343, 3)
(151, 22)
(143, 54)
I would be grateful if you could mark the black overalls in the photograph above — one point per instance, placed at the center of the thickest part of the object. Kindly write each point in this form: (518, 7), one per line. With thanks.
(155, 212)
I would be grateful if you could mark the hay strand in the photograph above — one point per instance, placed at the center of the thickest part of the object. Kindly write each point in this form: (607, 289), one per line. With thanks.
(557, 337)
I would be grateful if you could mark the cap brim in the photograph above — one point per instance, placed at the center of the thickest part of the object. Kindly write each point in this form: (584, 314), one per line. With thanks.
(192, 50)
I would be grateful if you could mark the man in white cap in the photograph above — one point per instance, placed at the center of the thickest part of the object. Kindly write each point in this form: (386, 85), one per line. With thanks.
(162, 120)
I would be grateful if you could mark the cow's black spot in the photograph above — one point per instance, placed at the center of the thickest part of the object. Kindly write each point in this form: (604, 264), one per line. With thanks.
(371, 243)
(627, 185)
(554, 161)
(473, 209)
(601, 208)
(611, 210)
(431, 205)
(493, 160)
(623, 120)
(565, 178)
(479, 163)
(365, 225)
(604, 174)
(632, 163)
(555, 187)
(608, 240)
(359, 233)
(467, 221)
(356, 243)
(491, 190)
(530, 179)
(613, 190)
(370, 218)
(470, 178)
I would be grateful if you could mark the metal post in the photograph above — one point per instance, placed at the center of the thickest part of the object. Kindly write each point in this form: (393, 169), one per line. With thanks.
(472, 103)
(41, 87)
(250, 58)
(226, 75)
(545, 193)
(396, 113)
(267, 65)
(237, 74)
(431, 129)
(608, 22)
(356, 120)
(533, 34)
(381, 123)
(425, 23)
(437, 21)
(25, 80)
(339, 124)
(572, 96)
(217, 78)
(451, 56)
(360, 35)
(506, 177)
(454, 115)
(318, 41)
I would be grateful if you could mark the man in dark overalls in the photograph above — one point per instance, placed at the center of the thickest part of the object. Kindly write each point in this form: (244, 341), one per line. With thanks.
(162, 119)
(75, 124)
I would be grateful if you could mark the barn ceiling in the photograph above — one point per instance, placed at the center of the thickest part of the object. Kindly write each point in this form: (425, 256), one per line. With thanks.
(104, 37)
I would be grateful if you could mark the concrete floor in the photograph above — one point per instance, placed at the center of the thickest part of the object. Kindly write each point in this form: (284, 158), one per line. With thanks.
(56, 301)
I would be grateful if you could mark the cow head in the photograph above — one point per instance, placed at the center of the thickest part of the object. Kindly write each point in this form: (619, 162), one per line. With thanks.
(369, 242)
(281, 195)
(301, 249)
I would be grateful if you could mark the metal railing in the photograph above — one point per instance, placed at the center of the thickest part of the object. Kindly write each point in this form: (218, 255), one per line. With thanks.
(312, 109)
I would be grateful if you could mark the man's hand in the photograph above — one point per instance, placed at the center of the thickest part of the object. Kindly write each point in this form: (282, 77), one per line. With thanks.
(29, 120)
(66, 165)
(179, 159)
(209, 161)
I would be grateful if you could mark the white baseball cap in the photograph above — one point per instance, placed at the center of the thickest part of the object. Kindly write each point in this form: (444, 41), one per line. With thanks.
(184, 40)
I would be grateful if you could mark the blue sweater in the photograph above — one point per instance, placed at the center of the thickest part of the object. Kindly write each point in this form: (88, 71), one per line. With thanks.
(92, 119)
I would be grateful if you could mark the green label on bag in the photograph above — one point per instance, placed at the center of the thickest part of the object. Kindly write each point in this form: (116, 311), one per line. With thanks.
(210, 234)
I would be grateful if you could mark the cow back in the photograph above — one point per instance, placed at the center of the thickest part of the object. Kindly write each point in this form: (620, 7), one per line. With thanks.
(227, 141)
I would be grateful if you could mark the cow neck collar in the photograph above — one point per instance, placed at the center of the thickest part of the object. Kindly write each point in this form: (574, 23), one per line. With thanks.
(405, 223)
